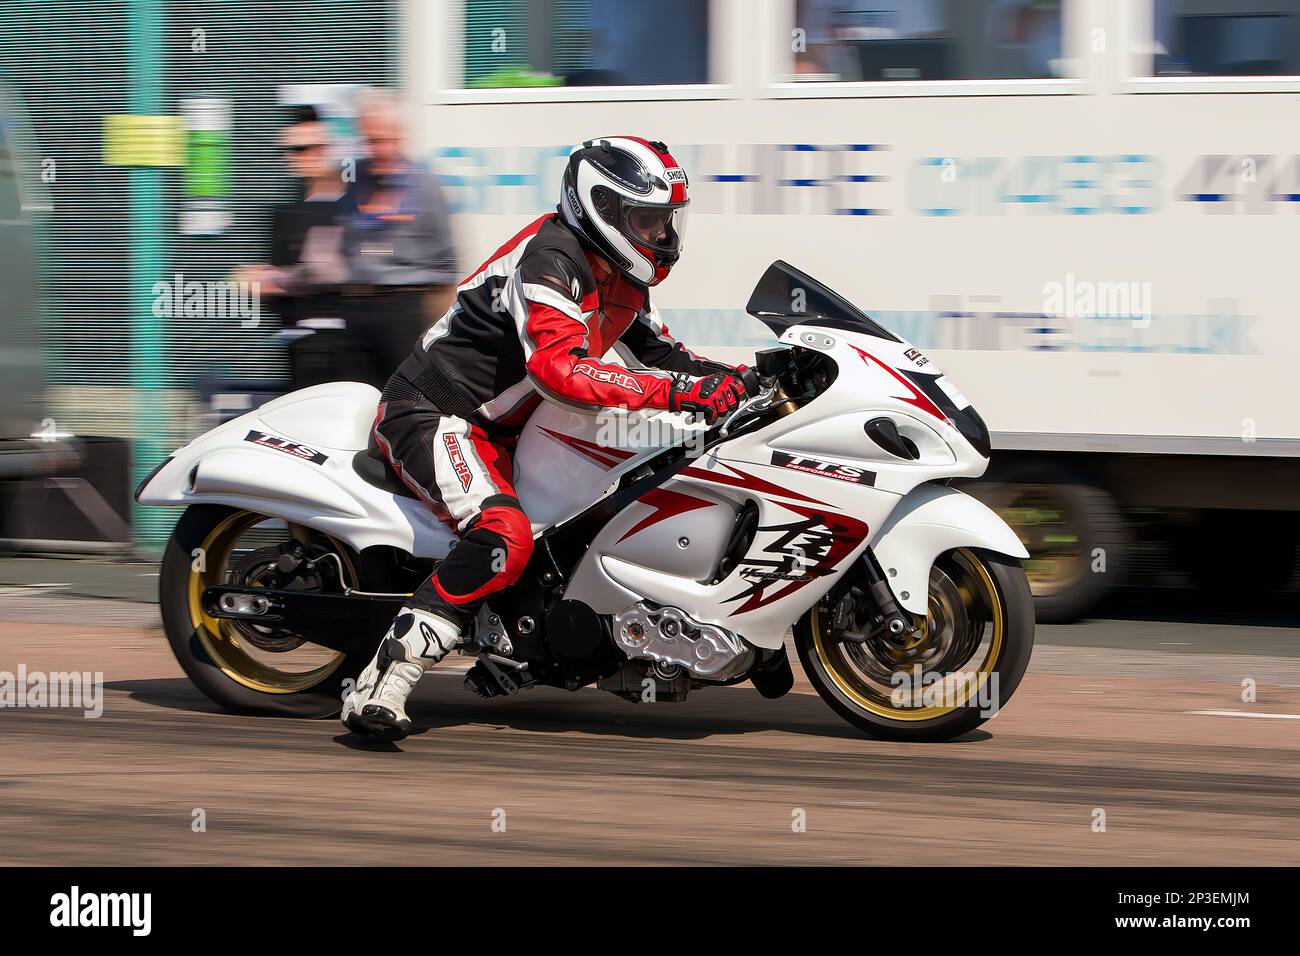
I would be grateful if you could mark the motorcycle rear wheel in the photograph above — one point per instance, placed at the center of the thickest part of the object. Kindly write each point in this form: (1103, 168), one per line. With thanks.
(245, 669)
(971, 651)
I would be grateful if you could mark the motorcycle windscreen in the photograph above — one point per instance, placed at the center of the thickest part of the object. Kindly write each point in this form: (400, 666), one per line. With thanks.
(785, 296)
(956, 406)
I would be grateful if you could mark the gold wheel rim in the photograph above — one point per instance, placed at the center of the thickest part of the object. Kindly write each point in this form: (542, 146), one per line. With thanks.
(856, 689)
(220, 639)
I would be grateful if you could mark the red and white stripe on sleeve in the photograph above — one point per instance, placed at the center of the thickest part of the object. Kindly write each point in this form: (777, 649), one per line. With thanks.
(551, 310)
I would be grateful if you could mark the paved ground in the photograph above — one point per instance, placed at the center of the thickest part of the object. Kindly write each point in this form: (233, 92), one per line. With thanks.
(128, 580)
(1104, 721)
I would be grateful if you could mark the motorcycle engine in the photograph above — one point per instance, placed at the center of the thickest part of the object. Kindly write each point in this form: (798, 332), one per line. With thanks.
(667, 636)
(641, 682)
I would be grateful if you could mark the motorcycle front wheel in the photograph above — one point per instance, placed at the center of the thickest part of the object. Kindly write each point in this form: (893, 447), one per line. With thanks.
(963, 663)
(248, 668)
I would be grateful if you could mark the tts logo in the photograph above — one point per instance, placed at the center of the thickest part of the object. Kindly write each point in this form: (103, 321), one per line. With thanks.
(827, 469)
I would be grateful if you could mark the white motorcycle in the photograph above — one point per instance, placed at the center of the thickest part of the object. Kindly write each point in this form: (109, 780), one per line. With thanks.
(669, 556)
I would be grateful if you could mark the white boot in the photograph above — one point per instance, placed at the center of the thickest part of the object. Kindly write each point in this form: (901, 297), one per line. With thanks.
(416, 641)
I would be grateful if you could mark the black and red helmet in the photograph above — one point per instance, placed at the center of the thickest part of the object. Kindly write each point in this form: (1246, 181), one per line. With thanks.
(626, 198)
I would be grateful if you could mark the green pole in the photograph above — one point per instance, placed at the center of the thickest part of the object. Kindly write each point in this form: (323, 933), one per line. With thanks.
(148, 257)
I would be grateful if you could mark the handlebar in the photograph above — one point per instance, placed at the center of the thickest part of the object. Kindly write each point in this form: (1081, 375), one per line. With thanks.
(761, 401)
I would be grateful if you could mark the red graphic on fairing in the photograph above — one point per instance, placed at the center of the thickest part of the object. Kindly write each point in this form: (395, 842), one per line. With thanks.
(806, 550)
(917, 399)
(458, 463)
(666, 504)
(605, 457)
(742, 479)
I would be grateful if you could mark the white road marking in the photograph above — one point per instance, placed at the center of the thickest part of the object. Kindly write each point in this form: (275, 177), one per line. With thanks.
(1173, 643)
(1240, 713)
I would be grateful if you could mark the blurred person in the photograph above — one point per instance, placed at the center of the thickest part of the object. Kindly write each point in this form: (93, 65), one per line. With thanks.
(617, 33)
(397, 241)
(532, 321)
(833, 27)
(1033, 26)
(307, 270)
(824, 55)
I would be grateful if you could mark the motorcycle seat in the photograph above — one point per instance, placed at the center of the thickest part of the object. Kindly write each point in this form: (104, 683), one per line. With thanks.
(375, 470)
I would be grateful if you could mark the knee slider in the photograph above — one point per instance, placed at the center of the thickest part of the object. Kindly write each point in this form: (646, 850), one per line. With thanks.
(491, 555)
(511, 539)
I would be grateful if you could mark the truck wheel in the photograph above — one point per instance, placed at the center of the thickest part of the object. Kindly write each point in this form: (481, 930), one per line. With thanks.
(1074, 532)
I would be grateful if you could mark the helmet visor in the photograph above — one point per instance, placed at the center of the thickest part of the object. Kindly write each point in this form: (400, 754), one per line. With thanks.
(661, 229)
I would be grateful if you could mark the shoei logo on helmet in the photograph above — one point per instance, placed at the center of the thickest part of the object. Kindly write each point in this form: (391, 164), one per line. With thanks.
(571, 195)
(675, 175)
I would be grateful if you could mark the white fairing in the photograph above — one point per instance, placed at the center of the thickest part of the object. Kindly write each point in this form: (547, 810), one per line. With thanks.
(288, 478)
(229, 466)
(567, 459)
(821, 488)
(930, 520)
(823, 491)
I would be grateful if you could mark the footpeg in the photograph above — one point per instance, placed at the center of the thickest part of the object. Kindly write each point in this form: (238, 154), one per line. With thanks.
(485, 681)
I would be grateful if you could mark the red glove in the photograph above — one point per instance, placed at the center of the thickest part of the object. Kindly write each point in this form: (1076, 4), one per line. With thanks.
(710, 396)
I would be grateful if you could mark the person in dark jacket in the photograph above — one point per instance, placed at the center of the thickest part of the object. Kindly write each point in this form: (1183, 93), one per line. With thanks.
(397, 240)
(306, 273)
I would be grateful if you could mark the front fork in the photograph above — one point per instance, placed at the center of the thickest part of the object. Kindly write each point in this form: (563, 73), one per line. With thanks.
(875, 607)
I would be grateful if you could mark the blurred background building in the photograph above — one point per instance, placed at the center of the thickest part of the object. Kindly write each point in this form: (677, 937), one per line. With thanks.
(109, 227)
(1083, 210)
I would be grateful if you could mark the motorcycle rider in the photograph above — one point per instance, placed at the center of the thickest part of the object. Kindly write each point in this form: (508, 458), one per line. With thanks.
(532, 321)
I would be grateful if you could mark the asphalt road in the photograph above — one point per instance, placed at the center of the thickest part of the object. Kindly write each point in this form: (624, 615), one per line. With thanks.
(1106, 720)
